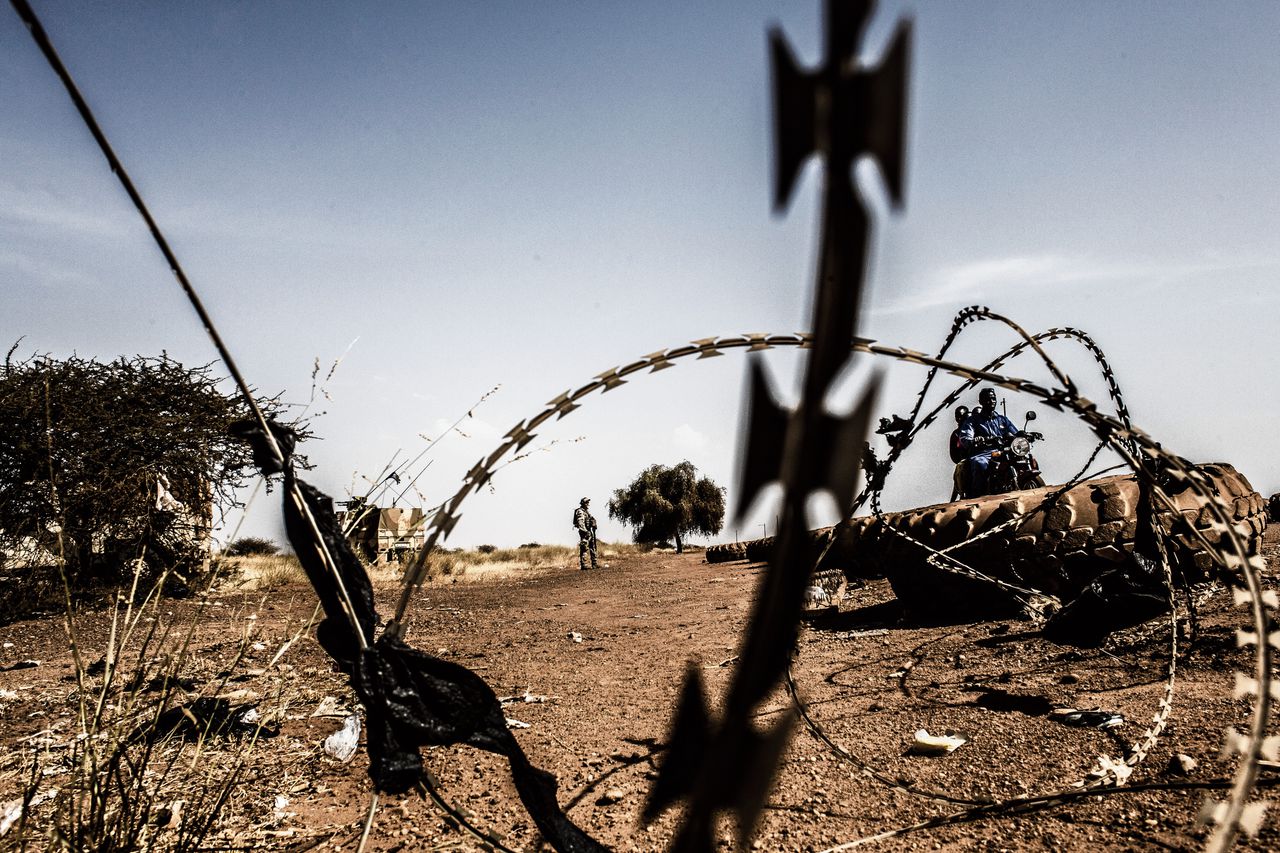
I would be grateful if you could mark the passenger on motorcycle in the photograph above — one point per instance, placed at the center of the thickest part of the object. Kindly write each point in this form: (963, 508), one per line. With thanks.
(957, 454)
(983, 432)
(957, 448)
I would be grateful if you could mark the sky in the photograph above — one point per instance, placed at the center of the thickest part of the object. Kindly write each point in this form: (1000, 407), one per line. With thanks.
(444, 199)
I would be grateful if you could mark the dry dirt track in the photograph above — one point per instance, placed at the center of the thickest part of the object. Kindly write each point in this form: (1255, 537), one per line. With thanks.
(870, 679)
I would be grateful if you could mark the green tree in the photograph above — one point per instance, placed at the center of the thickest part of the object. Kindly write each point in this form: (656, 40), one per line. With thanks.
(669, 503)
(103, 464)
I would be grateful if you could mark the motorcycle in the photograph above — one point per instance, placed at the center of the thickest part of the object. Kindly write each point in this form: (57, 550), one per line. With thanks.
(1013, 467)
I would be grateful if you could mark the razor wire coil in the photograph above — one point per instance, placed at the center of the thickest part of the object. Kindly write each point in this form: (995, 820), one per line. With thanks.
(1149, 460)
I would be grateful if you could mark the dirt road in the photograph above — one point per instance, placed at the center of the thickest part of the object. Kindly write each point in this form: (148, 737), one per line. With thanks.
(601, 656)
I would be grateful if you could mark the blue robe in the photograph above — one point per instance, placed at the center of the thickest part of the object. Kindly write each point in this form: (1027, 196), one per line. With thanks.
(992, 426)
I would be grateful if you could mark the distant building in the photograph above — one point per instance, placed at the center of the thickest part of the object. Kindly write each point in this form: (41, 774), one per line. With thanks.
(383, 535)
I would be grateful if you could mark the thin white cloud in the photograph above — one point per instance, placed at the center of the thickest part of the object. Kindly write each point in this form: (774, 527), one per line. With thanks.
(48, 211)
(688, 439)
(983, 279)
(977, 280)
(18, 269)
(212, 219)
(995, 273)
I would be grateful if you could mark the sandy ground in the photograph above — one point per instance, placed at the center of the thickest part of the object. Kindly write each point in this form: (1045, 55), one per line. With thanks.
(601, 706)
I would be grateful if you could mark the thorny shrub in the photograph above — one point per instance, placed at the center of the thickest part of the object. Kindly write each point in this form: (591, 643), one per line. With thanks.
(111, 468)
(252, 546)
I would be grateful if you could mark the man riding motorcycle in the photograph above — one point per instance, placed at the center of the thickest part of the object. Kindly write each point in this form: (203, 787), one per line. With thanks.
(983, 432)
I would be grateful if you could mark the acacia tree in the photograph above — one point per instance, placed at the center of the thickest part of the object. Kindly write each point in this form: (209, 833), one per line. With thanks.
(669, 503)
(105, 463)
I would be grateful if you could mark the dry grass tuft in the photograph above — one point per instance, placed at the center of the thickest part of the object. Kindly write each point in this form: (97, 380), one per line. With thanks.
(620, 549)
(264, 573)
(486, 563)
(106, 773)
(489, 563)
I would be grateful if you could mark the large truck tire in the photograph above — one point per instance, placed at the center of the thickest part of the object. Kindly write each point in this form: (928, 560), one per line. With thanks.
(1057, 550)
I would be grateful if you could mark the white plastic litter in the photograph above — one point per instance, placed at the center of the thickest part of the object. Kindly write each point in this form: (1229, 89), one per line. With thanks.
(525, 697)
(926, 744)
(22, 664)
(342, 744)
(1088, 718)
(282, 803)
(11, 810)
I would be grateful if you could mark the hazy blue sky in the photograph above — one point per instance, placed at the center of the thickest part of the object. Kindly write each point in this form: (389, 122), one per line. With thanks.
(525, 194)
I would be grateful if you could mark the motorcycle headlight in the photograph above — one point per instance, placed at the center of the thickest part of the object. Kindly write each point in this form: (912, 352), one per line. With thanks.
(1020, 447)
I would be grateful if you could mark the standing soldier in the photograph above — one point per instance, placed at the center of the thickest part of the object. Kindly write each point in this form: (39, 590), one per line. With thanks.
(586, 527)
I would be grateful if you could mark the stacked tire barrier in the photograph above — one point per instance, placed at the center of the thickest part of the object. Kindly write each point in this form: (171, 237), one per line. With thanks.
(727, 553)
(1055, 545)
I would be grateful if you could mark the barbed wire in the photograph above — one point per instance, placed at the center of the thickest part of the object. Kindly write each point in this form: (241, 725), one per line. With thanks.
(1033, 601)
(1231, 553)
(1156, 468)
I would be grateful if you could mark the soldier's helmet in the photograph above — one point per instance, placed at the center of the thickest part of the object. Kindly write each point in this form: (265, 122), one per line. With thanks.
(584, 501)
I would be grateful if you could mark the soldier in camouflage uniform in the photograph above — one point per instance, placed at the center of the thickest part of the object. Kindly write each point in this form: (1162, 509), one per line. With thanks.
(586, 527)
